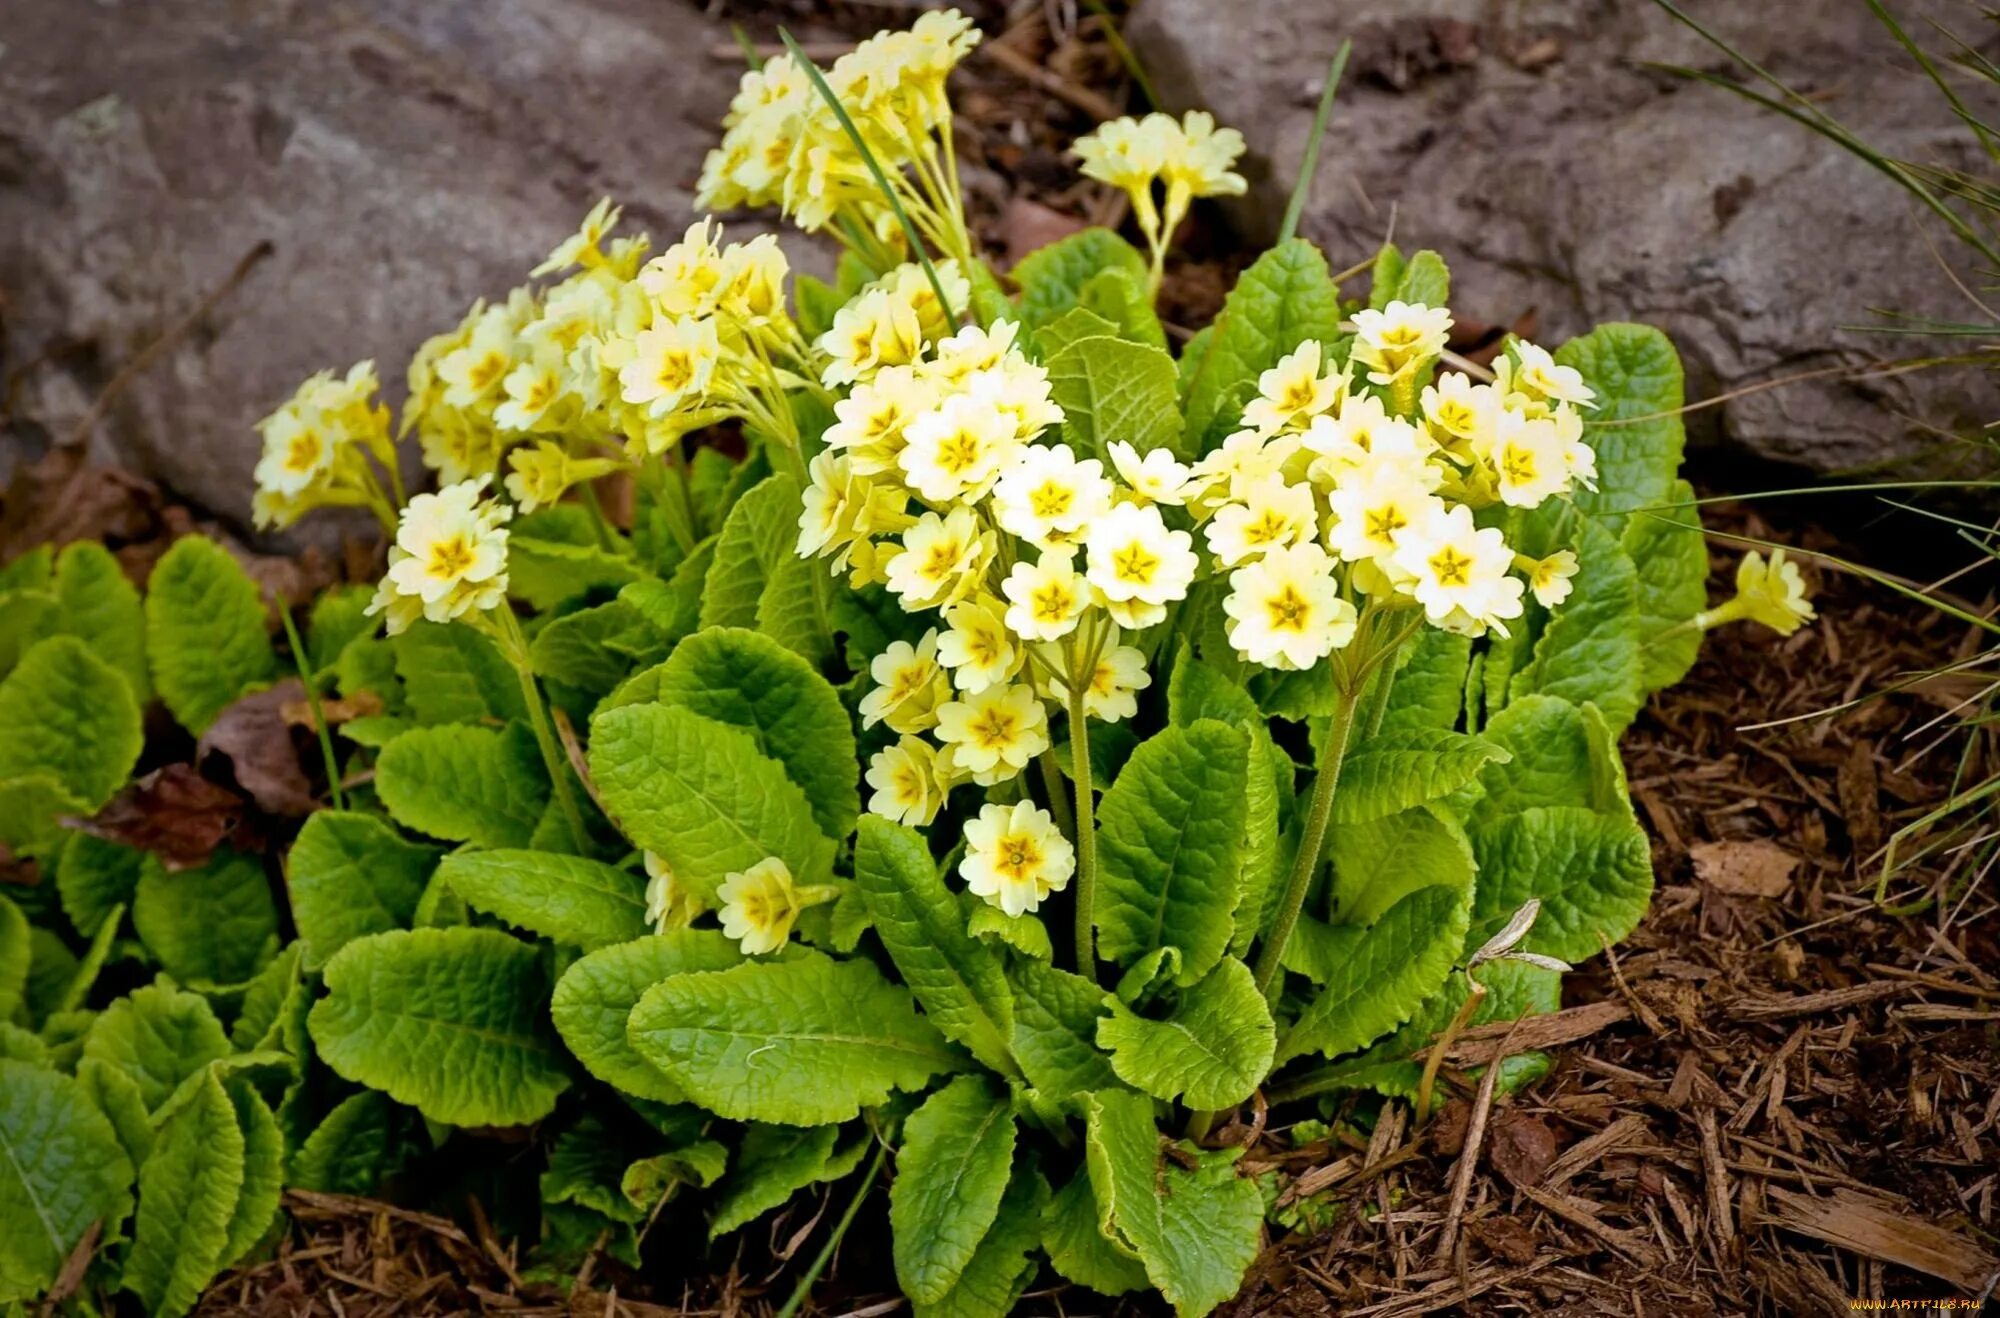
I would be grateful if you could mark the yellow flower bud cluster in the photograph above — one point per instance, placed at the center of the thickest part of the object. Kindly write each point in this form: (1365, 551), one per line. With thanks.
(1162, 164)
(318, 449)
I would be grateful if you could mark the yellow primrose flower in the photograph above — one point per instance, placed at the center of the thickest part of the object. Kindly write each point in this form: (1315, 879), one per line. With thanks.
(1771, 592)
(911, 781)
(751, 279)
(533, 388)
(760, 905)
(978, 648)
(992, 734)
(1112, 694)
(1015, 857)
(1199, 158)
(672, 363)
(582, 247)
(1529, 460)
(685, 279)
(873, 330)
(1285, 609)
(1459, 406)
(458, 445)
(670, 904)
(957, 449)
(941, 561)
(1374, 507)
(1046, 598)
(1549, 579)
(1293, 392)
(1019, 390)
(1460, 572)
(541, 475)
(298, 452)
(1537, 375)
(453, 555)
(1401, 337)
(1047, 497)
(474, 371)
(1131, 555)
(1158, 477)
(871, 423)
(910, 684)
(1271, 516)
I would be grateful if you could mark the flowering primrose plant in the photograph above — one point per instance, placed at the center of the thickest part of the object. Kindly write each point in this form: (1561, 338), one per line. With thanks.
(1036, 751)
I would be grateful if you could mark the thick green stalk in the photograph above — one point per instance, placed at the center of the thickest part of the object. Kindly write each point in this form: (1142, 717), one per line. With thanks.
(1086, 828)
(1340, 730)
(803, 1291)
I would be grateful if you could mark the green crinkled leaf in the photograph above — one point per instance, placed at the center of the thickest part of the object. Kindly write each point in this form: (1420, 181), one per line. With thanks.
(698, 793)
(1078, 1247)
(1636, 373)
(15, 954)
(205, 634)
(25, 617)
(19, 1044)
(465, 784)
(1121, 297)
(1067, 328)
(188, 1191)
(583, 903)
(593, 649)
(116, 1094)
(1052, 278)
(951, 1172)
(272, 1015)
(1420, 277)
(1281, 301)
(451, 1021)
(88, 967)
(773, 1164)
(792, 713)
(594, 999)
(1379, 862)
(213, 925)
(352, 875)
(1550, 764)
(1211, 1051)
(33, 570)
(1667, 548)
(1379, 974)
(757, 580)
(1195, 1228)
(1026, 934)
(348, 1152)
(263, 1173)
(1056, 1016)
(1169, 845)
(1114, 389)
(453, 673)
(97, 604)
(94, 877)
(549, 573)
(1429, 691)
(1394, 771)
(29, 810)
(61, 1168)
(1590, 649)
(337, 619)
(159, 1036)
(51, 969)
(957, 978)
(1593, 873)
(1002, 1267)
(67, 714)
(1392, 1067)
(794, 1043)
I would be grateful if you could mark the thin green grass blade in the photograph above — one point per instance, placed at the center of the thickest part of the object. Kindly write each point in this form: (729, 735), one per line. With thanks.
(1309, 163)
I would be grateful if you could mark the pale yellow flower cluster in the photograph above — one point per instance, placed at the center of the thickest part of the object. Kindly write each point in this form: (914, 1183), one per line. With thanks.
(1771, 591)
(318, 447)
(1162, 164)
(449, 559)
(784, 145)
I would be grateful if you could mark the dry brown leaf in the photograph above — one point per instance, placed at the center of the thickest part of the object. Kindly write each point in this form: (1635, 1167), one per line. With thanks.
(1745, 869)
(255, 737)
(1521, 1147)
(173, 812)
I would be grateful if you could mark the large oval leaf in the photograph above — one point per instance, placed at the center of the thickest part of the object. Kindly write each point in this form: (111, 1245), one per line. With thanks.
(951, 1171)
(61, 1168)
(205, 633)
(595, 996)
(1211, 1051)
(570, 899)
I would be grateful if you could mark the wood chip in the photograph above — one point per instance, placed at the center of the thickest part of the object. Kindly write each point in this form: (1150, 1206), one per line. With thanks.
(1745, 869)
(1879, 1229)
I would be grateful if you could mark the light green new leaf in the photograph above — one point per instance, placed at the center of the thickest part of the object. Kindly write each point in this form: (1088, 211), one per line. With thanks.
(98, 605)
(1002, 1267)
(773, 1164)
(1067, 328)
(550, 573)
(1170, 834)
(116, 1094)
(1078, 1247)
(1052, 278)
(1281, 301)
(1635, 373)
(1394, 771)
(19, 1044)
(451, 1021)
(1056, 1015)
(593, 649)
(1563, 756)
(88, 967)
(263, 1172)
(757, 580)
(1590, 649)
(188, 1191)
(1114, 389)
(159, 1036)
(1593, 873)
(348, 1152)
(1667, 548)
(67, 714)
(25, 616)
(794, 1043)
(352, 875)
(205, 633)
(29, 810)
(1026, 934)
(213, 925)
(594, 999)
(1420, 278)
(93, 877)
(957, 978)
(1211, 1051)
(1379, 862)
(698, 793)
(1429, 691)
(465, 784)
(61, 1168)
(1195, 1228)
(456, 674)
(951, 1171)
(1379, 975)
(337, 618)
(1121, 297)
(795, 716)
(569, 899)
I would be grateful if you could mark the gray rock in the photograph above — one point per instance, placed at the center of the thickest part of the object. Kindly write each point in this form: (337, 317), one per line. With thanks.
(1555, 172)
(402, 157)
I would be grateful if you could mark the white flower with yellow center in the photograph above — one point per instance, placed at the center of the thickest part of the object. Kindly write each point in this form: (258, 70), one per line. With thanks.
(1271, 516)
(1199, 163)
(1529, 459)
(1285, 609)
(870, 332)
(1549, 579)
(1019, 390)
(1401, 337)
(1045, 599)
(1363, 431)
(533, 388)
(1375, 507)
(1293, 392)
(910, 684)
(970, 350)
(298, 451)
(1459, 572)
(1579, 457)
(1047, 497)
(584, 246)
(670, 904)
(1131, 557)
(941, 561)
(453, 552)
(1536, 374)
(1459, 406)
(1123, 153)
(870, 423)
(978, 648)
(671, 364)
(992, 734)
(957, 449)
(682, 281)
(760, 905)
(472, 372)
(751, 283)
(1240, 462)
(1771, 592)
(910, 780)
(1015, 857)
(1112, 693)
(1158, 477)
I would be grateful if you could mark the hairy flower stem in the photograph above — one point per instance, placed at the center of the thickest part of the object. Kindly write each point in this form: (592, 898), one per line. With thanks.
(1052, 785)
(803, 1291)
(553, 759)
(1475, 994)
(303, 662)
(1340, 730)
(1086, 828)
